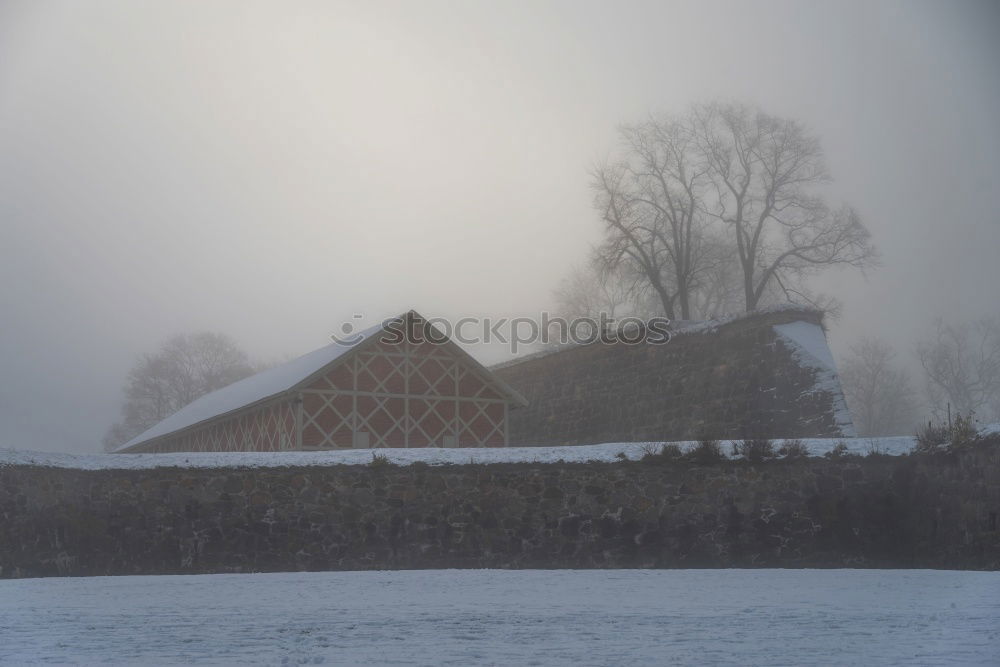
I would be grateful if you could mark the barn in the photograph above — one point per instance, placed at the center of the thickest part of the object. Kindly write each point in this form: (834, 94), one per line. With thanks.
(400, 383)
(768, 373)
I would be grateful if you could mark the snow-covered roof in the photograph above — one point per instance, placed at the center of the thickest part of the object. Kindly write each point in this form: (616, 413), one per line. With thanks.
(253, 389)
(677, 328)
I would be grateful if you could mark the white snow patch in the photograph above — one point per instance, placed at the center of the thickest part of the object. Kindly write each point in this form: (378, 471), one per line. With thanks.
(498, 617)
(606, 452)
(809, 339)
(810, 349)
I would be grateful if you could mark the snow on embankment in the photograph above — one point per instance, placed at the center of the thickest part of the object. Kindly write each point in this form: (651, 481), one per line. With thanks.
(810, 349)
(607, 452)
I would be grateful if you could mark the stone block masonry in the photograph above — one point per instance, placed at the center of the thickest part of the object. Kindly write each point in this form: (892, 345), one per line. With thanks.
(913, 512)
(723, 380)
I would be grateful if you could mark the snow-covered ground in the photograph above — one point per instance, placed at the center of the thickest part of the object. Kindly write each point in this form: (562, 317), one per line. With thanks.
(431, 455)
(472, 617)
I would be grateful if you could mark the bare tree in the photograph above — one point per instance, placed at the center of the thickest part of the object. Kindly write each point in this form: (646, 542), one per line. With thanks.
(766, 174)
(186, 367)
(879, 393)
(591, 289)
(717, 289)
(723, 171)
(650, 202)
(962, 367)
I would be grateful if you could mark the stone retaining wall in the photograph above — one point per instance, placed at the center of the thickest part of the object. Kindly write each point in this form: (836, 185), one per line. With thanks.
(938, 512)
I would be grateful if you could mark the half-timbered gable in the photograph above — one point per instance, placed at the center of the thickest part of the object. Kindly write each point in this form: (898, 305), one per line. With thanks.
(402, 384)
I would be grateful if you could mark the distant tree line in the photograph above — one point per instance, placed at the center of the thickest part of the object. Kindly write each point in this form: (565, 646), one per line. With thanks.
(960, 364)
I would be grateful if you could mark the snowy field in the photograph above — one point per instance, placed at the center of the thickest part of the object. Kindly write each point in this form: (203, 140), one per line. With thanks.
(430, 455)
(473, 617)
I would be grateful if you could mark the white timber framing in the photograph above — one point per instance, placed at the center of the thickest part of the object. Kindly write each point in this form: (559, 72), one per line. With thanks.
(260, 427)
(440, 371)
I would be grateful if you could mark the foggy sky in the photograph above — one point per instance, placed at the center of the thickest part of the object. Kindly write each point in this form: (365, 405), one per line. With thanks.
(269, 169)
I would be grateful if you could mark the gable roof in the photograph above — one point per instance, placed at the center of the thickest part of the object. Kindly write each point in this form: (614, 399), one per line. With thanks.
(286, 378)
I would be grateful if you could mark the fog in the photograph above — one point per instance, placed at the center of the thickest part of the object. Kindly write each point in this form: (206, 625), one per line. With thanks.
(269, 169)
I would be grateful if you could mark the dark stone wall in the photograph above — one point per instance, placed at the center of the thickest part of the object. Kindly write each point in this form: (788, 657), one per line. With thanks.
(737, 381)
(937, 512)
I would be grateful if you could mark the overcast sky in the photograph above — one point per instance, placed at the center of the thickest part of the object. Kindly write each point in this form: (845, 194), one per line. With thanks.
(269, 169)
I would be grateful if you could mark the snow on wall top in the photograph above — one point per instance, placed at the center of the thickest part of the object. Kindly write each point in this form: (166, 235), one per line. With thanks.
(809, 347)
(250, 390)
(606, 452)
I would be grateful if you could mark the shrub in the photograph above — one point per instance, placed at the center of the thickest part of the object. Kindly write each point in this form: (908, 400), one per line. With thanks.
(754, 449)
(793, 449)
(931, 438)
(839, 451)
(875, 449)
(671, 451)
(707, 451)
(651, 449)
(379, 460)
(961, 433)
(661, 453)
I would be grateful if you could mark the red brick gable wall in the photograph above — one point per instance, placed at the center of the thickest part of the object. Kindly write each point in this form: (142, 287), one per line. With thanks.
(403, 394)
(384, 394)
